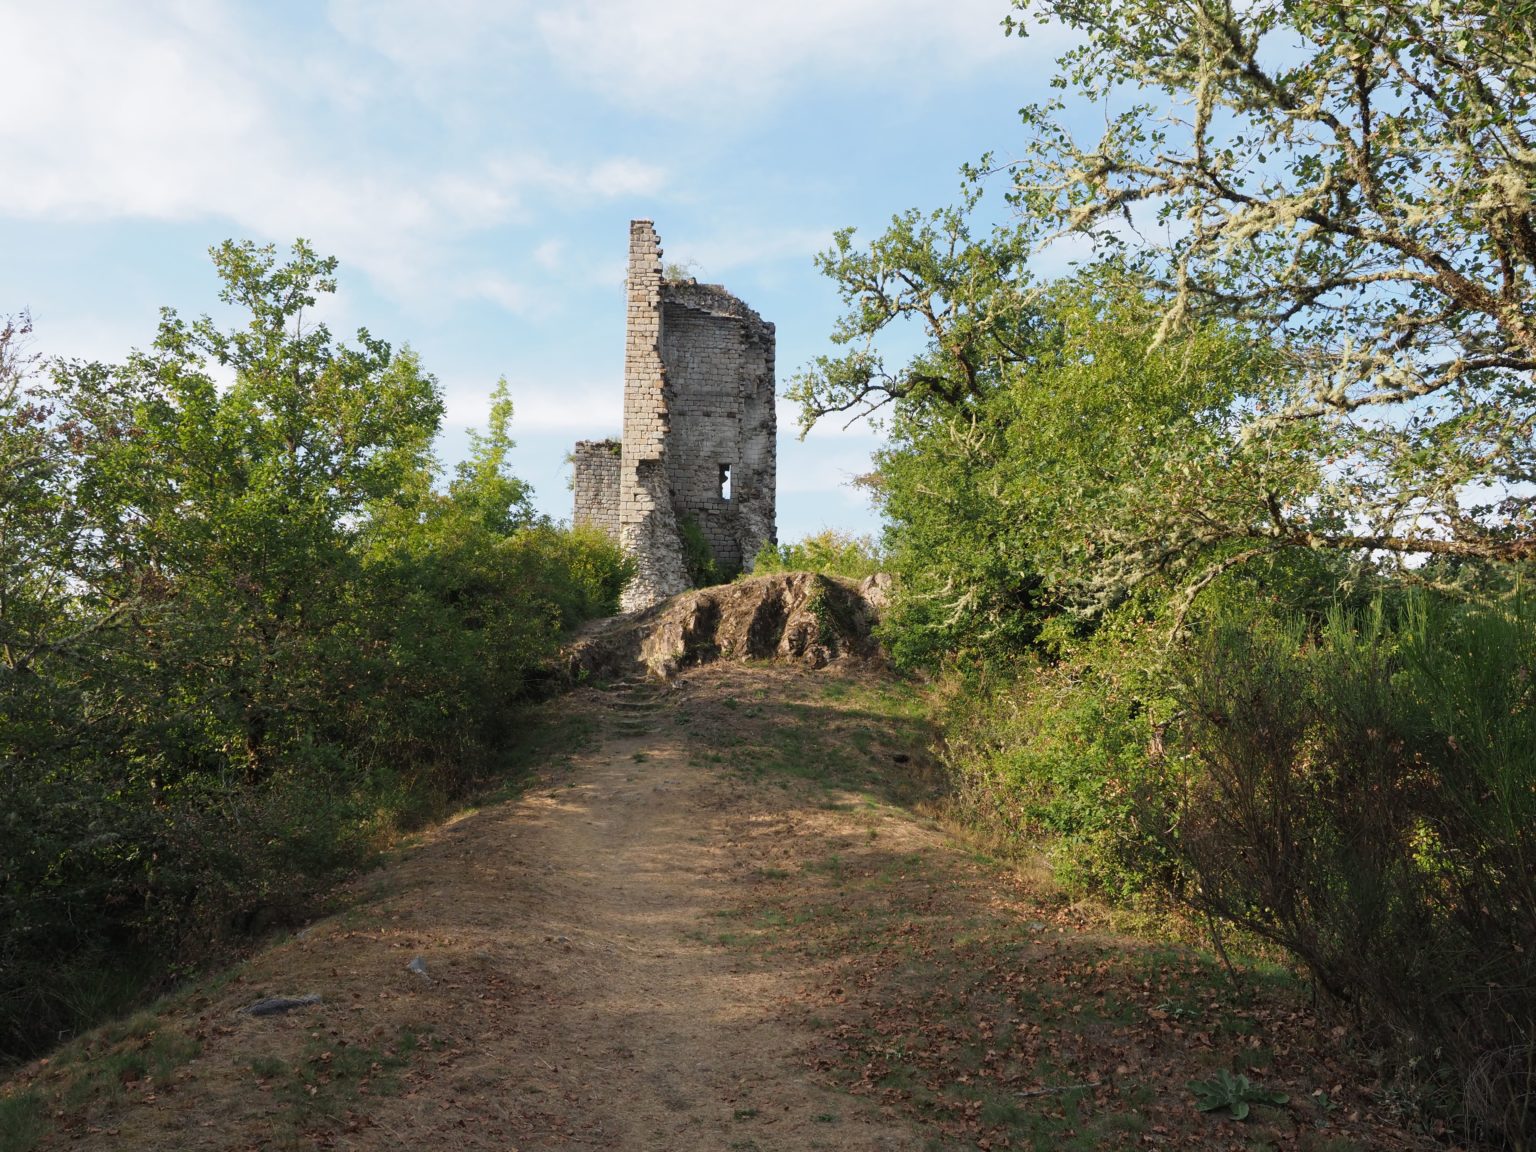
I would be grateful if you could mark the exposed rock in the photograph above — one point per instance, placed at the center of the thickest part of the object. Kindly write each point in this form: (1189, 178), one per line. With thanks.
(876, 591)
(276, 1005)
(788, 616)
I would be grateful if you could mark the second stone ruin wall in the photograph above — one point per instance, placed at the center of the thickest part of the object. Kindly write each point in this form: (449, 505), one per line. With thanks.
(595, 468)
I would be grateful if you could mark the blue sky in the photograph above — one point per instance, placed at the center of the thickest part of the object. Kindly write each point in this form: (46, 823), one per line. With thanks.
(474, 163)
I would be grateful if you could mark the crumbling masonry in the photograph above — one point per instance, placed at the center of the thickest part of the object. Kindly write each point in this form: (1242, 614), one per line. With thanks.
(698, 451)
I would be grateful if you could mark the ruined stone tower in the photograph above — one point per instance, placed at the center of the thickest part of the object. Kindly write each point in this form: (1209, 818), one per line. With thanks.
(698, 452)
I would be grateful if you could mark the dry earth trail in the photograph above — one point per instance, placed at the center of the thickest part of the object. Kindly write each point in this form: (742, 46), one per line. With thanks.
(714, 925)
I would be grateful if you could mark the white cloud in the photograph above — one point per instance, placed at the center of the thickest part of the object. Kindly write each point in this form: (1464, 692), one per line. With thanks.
(550, 255)
(822, 467)
(682, 57)
(441, 35)
(168, 110)
(474, 201)
(624, 177)
(702, 51)
(125, 112)
(606, 180)
(750, 245)
(582, 410)
(498, 289)
(158, 112)
(835, 427)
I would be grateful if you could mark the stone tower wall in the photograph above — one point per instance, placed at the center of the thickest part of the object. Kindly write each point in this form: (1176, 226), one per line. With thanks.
(719, 361)
(698, 400)
(647, 524)
(595, 464)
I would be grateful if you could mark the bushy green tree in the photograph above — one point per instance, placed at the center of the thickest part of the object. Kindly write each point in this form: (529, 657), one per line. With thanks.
(242, 633)
(1047, 455)
(1298, 367)
(1360, 793)
(1356, 183)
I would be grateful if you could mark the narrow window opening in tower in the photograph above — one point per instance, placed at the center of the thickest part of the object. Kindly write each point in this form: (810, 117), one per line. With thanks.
(725, 481)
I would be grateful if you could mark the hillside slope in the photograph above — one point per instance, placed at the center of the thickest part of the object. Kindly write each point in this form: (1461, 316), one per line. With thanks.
(716, 923)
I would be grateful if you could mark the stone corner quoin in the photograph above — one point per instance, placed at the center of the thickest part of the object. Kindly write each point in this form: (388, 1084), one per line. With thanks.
(700, 430)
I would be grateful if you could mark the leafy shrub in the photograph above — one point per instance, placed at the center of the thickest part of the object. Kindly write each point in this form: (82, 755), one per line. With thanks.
(242, 636)
(1363, 795)
(1047, 754)
(1050, 747)
(699, 560)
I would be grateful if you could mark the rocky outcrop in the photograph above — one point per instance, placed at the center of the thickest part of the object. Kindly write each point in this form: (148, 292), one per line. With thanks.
(788, 616)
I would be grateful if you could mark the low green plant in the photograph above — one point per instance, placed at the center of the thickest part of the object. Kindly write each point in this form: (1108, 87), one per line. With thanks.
(703, 569)
(1235, 1094)
(331, 1075)
(1044, 754)
(830, 611)
(830, 553)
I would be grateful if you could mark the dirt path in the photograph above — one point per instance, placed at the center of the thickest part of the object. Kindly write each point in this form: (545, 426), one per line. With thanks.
(705, 930)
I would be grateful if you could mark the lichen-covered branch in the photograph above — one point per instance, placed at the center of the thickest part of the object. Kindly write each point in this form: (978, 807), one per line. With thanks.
(1356, 185)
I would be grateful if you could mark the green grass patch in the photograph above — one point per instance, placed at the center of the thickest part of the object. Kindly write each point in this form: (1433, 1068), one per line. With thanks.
(105, 1063)
(547, 733)
(268, 1067)
(844, 732)
(331, 1075)
(22, 1121)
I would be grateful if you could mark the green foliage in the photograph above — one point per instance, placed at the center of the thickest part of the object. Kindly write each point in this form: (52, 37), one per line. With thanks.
(1361, 794)
(1355, 182)
(831, 553)
(1233, 1094)
(21, 1121)
(483, 487)
(1047, 755)
(1138, 515)
(241, 633)
(1049, 748)
(1046, 454)
(1323, 371)
(699, 560)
